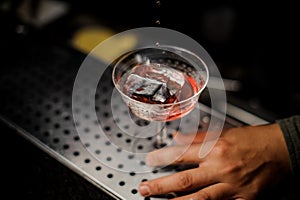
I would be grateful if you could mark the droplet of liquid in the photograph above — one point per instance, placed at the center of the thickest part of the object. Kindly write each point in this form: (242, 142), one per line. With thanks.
(157, 44)
(158, 3)
(157, 22)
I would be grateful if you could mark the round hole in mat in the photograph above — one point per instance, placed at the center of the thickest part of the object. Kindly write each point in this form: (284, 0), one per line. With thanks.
(97, 151)
(128, 140)
(46, 133)
(66, 131)
(57, 125)
(134, 191)
(105, 101)
(55, 140)
(108, 158)
(122, 183)
(106, 114)
(47, 120)
(119, 135)
(110, 175)
(107, 128)
(76, 138)
(132, 173)
(142, 163)
(120, 166)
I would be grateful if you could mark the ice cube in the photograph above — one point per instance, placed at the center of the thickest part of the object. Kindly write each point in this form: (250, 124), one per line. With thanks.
(162, 94)
(173, 87)
(155, 83)
(141, 86)
(173, 78)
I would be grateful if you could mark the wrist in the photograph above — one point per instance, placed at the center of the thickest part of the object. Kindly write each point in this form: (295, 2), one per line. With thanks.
(279, 146)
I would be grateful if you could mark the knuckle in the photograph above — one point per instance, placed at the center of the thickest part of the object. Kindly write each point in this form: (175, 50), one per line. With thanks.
(185, 181)
(221, 149)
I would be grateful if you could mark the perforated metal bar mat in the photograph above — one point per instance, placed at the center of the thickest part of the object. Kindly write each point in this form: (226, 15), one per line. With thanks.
(36, 99)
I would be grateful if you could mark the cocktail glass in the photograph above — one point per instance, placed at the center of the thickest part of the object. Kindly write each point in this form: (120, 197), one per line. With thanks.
(160, 83)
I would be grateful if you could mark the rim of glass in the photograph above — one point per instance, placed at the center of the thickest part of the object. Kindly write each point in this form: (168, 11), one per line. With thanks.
(162, 47)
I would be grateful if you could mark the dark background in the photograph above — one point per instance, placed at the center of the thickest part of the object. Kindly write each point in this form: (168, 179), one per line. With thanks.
(253, 42)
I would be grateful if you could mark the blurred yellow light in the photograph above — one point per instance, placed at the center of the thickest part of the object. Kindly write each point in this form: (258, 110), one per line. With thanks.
(87, 39)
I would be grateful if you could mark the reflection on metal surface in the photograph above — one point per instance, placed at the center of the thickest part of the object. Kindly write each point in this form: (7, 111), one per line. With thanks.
(229, 84)
(244, 116)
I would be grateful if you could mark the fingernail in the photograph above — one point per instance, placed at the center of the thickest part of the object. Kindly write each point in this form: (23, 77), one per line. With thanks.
(144, 190)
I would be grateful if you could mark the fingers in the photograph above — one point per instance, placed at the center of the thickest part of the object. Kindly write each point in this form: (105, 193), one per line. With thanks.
(182, 139)
(174, 155)
(219, 191)
(192, 138)
(181, 181)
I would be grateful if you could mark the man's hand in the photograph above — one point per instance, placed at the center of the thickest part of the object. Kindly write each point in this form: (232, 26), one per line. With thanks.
(244, 162)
